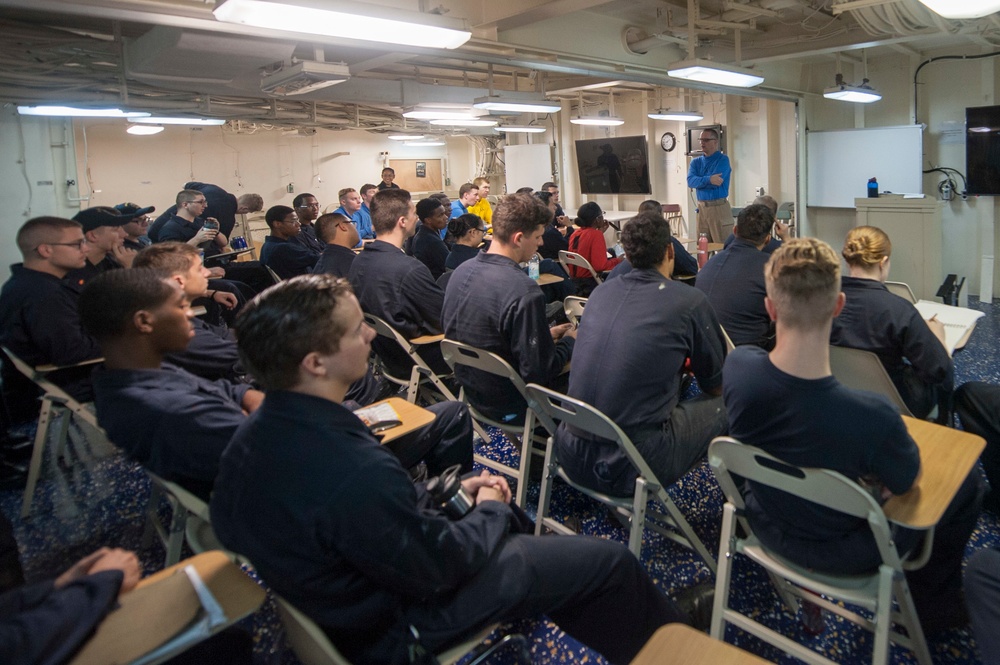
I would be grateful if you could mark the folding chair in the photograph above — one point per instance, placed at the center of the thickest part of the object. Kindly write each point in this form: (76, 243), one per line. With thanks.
(573, 306)
(456, 353)
(862, 370)
(901, 289)
(730, 347)
(189, 518)
(54, 401)
(581, 416)
(275, 276)
(313, 647)
(874, 591)
(672, 213)
(568, 259)
(422, 377)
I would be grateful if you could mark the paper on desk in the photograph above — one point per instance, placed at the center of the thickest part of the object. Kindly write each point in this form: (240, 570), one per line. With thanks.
(957, 320)
(913, 196)
(377, 413)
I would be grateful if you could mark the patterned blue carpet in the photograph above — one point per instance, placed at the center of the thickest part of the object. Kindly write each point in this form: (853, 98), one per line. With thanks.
(102, 503)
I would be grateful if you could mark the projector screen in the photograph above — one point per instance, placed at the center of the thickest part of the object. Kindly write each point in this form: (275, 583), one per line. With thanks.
(841, 161)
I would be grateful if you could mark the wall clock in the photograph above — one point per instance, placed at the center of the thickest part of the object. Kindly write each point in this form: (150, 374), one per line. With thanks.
(668, 141)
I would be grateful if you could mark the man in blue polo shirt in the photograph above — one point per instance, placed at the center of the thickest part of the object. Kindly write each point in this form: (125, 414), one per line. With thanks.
(733, 280)
(468, 194)
(634, 338)
(709, 176)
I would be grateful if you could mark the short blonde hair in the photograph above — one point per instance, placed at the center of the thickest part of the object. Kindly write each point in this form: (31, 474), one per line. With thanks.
(803, 281)
(478, 182)
(866, 246)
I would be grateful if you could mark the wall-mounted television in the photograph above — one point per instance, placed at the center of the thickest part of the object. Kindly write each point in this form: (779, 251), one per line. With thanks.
(982, 150)
(613, 166)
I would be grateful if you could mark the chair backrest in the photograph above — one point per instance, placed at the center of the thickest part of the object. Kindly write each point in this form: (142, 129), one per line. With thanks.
(728, 457)
(445, 277)
(568, 259)
(862, 370)
(672, 211)
(729, 343)
(307, 640)
(274, 275)
(383, 329)
(901, 289)
(186, 499)
(573, 306)
(457, 353)
(38, 378)
(555, 406)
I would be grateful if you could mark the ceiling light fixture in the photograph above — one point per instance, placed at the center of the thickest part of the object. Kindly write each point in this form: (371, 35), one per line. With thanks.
(597, 120)
(175, 120)
(405, 137)
(347, 20)
(441, 114)
(478, 122)
(304, 77)
(70, 111)
(706, 71)
(424, 144)
(519, 129)
(144, 130)
(859, 94)
(962, 8)
(667, 114)
(508, 102)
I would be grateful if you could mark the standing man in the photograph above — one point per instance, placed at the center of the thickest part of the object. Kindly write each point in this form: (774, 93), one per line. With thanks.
(307, 208)
(482, 207)
(709, 175)
(468, 194)
(363, 217)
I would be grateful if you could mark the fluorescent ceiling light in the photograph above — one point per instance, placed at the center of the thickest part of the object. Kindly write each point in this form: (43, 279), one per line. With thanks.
(64, 111)
(962, 8)
(851, 93)
(304, 77)
(347, 20)
(667, 114)
(478, 122)
(169, 120)
(144, 130)
(440, 114)
(533, 104)
(716, 73)
(597, 120)
(423, 144)
(405, 137)
(520, 129)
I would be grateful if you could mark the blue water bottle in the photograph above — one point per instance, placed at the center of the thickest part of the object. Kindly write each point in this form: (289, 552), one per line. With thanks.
(872, 188)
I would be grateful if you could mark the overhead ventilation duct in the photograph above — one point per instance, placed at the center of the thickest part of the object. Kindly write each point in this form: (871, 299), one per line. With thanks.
(304, 77)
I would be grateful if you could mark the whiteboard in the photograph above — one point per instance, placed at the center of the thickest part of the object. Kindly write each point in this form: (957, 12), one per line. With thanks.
(527, 165)
(840, 162)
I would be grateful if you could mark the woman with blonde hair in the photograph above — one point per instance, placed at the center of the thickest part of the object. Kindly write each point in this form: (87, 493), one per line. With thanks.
(873, 319)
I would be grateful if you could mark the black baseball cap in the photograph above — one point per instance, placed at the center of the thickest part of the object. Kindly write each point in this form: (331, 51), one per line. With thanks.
(133, 209)
(95, 218)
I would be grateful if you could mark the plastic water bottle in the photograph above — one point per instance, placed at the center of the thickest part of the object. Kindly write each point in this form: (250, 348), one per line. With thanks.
(702, 250)
(872, 188)
(533, 267)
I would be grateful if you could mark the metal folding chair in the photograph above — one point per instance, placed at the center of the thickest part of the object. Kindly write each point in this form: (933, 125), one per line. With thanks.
(573, 306)
(875, 591)
(672, 213)
(456, 353)
(862, 370)
(55, 401)
(568, 259)
(901, 289)
(189, 519)
(583, 417)
(313, 647)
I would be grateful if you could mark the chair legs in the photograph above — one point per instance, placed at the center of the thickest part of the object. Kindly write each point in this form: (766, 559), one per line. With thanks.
(45, 416)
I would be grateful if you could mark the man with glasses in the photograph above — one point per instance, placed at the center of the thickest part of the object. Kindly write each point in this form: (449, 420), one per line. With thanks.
(709, 176)
(307, 208)
(280, 252)
(135, 228)
(38, 316)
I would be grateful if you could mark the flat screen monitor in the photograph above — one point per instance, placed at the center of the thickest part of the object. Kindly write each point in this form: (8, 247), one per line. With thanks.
(613, 166)
(982, 150)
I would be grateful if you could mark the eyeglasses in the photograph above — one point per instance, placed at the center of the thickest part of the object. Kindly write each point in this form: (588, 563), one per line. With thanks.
(706, 140)
(481, 230)
(76, 244)
(199, 202)
(310, 205)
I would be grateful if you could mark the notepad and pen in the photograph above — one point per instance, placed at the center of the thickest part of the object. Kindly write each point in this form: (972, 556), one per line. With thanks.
(957, 321)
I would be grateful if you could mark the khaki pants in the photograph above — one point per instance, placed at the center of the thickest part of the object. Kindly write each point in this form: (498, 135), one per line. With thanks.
(712, 216)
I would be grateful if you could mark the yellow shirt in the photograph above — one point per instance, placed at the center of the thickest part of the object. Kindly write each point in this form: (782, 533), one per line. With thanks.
(483, 208)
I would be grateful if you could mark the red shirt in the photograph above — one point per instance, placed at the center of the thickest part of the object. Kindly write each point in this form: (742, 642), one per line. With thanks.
(589, 243)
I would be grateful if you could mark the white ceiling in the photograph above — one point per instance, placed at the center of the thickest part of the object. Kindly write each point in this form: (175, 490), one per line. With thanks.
(172, 56)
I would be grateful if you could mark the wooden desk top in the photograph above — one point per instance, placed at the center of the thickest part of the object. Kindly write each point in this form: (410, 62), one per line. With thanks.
(946, 457)
(236, 592)
(412, 416)
(549, 278)
(427, 339)
(228, 254)
(677, 643)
